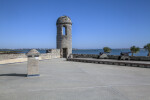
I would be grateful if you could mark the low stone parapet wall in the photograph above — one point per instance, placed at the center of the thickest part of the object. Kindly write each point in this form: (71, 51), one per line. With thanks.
(113, 57)
(141, 64)
(85, 55)
(16, 60)
(135, 58)
(140, 58)
(54, 54)
(45, 56)
(12, 58)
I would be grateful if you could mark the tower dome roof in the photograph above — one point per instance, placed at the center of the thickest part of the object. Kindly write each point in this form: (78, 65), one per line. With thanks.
(64, 20)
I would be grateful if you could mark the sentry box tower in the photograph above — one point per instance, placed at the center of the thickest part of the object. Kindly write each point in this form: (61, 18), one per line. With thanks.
(33, 63)
(64, 36)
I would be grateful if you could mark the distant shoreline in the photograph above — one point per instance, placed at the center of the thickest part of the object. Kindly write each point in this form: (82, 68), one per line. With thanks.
(54, 48)
(142, 51)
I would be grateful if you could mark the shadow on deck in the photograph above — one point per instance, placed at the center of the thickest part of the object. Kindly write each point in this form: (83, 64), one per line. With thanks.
(14, 74)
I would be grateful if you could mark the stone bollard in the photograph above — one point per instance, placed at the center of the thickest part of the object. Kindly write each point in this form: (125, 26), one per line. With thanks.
(33, 63)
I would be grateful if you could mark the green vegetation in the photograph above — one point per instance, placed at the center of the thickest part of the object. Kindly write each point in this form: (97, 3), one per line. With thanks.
(107, 49)
(134, 49)
(9, 52)
(147, 47)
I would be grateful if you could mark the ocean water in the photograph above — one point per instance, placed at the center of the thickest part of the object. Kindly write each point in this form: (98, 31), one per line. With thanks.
(142, 52)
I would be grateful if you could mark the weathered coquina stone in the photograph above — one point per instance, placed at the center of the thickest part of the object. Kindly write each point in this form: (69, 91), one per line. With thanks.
(64, 40)
(33, 63)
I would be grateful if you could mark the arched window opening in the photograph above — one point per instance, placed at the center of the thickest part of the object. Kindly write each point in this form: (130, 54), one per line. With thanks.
(64, 30)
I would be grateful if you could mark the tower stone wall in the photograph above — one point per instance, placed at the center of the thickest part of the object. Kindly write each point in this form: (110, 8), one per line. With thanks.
(64, 41)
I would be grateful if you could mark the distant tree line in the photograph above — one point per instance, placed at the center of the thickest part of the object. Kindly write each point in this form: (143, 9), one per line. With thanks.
(9, 52)
(133, 49)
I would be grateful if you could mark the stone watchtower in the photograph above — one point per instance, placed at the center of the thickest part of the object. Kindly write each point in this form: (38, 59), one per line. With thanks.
(64, 36)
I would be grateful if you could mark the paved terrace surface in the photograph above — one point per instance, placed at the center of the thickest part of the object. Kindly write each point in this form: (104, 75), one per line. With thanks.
(65, 80)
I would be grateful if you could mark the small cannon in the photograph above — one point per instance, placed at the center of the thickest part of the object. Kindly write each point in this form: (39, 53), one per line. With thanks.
(124, 56)
(102, 55)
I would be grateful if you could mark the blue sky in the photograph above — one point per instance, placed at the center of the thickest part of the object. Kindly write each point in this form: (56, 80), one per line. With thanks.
(96, 23)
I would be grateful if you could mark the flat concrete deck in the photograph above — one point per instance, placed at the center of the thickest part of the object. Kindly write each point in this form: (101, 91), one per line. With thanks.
(65, 80)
